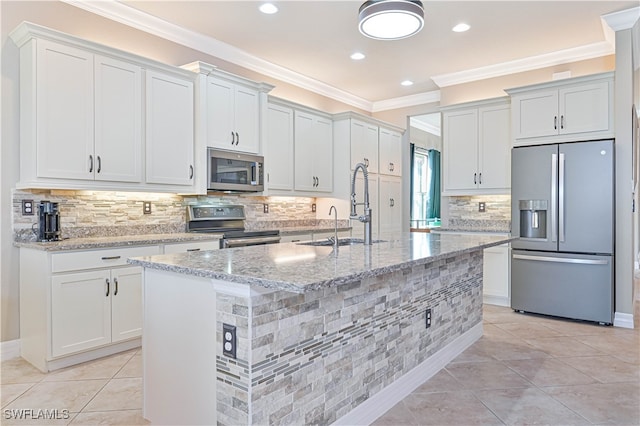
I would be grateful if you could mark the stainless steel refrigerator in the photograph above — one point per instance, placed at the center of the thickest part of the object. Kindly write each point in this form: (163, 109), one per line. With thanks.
(562, 198)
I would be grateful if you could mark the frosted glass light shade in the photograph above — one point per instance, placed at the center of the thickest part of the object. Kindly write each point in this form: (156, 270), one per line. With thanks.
(391, 19)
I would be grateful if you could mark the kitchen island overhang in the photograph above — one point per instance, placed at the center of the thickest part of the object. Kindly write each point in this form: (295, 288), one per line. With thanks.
(320, 334)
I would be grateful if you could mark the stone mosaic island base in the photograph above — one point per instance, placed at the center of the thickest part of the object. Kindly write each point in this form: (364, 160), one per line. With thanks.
(322, 336)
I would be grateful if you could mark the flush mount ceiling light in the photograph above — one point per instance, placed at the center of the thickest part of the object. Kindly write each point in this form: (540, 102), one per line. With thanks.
(390, 19)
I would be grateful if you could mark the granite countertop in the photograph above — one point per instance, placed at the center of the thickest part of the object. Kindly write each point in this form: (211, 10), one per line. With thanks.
(120, 241)
(300, 268)
(470, 231)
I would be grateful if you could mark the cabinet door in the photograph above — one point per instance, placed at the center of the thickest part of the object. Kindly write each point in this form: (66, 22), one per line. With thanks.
(364, 145)
(118, 120)
(126, 303)
(304, 141)
(64, 111)
(584, 108)
(495, 277)
(460, 146)
(390, 152)
(169, 113)
(323, 154)
(247, 119)
(279, 159)
(80, 311)
(535, 114)
(390, 205)
(494, 147)
(220, 114)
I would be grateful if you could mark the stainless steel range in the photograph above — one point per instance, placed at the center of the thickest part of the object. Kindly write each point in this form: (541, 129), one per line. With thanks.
(229, 221)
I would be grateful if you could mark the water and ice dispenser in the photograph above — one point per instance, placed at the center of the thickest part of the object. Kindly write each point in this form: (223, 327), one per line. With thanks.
(533, 218)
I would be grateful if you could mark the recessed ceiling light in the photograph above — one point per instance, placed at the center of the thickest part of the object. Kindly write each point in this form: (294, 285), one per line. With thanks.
(268, 8)
(407, 83)
(356, 56)
(460, 28)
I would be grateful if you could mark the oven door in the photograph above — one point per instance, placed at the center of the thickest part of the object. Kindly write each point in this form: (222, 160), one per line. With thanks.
(232, 171)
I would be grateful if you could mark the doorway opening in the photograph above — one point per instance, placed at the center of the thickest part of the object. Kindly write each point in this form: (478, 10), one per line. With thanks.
(426, 146)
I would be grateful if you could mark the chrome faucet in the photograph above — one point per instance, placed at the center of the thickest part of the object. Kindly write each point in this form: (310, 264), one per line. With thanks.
(334, 239)
(366, 217)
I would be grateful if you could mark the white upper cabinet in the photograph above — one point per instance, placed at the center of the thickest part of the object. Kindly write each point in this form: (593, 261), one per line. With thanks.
(62, 125)
(313, 135)
(279, 158)
(565, 110)
(118, 120)
(364, 145)
(83, 122)
(390, 152)
(476, 148)
(233, 116)
(169, 130)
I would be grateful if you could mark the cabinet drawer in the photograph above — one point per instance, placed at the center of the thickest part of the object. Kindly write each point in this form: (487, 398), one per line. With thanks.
(78, 260)
(191, 246)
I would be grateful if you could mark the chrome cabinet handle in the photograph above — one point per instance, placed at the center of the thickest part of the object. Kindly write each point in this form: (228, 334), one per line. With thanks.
(193, 249)
(91, 164)
(233, 139)
(366, 162)
(115, 280)
(110, 257)
(237, 138)
(99, 164)
(562, 121)
(475, 180)
(191, 172)
(555, 122)
(480, 178)
(107, 281)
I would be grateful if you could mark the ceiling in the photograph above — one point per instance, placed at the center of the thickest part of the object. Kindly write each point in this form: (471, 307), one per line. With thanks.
(309, 42)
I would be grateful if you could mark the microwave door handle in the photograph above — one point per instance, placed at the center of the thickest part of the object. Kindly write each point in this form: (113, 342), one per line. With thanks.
(255, 170)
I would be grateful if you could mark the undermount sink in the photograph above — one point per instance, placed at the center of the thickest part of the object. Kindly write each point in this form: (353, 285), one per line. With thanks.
(341, 242)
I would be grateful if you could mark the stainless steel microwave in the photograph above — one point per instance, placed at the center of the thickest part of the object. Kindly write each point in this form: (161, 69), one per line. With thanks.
(234, 171)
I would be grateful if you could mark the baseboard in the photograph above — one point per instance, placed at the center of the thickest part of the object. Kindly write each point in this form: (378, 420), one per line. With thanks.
(9, 349)
(374, 407)
(623, 320)
(496, 300)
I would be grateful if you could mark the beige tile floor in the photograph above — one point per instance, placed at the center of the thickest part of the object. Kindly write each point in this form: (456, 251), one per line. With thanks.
(529, 369)
(524, 370)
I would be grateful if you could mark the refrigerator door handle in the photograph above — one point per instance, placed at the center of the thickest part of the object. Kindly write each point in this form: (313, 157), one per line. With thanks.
(554, 198)
(561, 259)
(561, 198)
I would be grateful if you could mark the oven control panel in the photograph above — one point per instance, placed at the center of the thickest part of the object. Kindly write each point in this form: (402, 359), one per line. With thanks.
(209, 212)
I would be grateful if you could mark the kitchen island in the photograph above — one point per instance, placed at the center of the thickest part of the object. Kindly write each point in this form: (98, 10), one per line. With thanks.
(320, 335)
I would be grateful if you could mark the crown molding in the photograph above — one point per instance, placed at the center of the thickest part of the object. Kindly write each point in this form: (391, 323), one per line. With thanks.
(594, 50)
(622, 20)
(426, 127)
(407, 101)
(134, 18)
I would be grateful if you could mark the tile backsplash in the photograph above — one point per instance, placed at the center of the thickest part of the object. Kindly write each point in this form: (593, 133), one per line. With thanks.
(464, 214)
(101, 213)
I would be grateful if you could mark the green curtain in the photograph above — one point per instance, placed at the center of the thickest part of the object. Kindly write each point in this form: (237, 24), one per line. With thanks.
(434, 189)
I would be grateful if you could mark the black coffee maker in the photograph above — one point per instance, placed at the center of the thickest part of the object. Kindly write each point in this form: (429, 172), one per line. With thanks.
(49, 221)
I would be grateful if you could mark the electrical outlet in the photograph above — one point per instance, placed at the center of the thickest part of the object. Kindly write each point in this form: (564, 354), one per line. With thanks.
(265, 208)
(27, 207)
(229, 340)
(313, 207)
(482, 207)
(428, 318)
(146, 207)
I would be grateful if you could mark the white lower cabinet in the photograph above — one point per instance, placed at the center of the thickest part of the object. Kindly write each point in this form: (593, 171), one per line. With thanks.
(90, 309)
(191, 246)
(496, 275)
(390, 205)
(79, 305)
